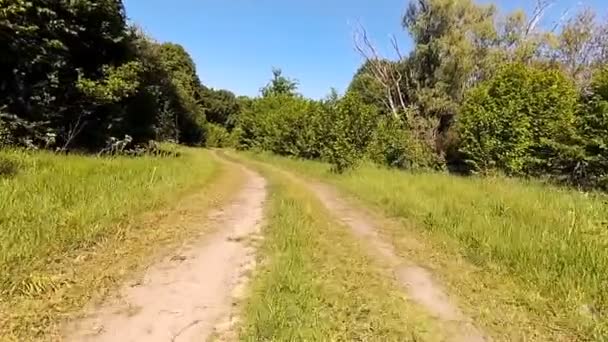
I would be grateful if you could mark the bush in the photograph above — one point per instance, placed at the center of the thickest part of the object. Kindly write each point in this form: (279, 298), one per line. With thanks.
(395, 146)
(351, 126)
(218, 136)
(284, 124)
(592, 169)
(521, 121)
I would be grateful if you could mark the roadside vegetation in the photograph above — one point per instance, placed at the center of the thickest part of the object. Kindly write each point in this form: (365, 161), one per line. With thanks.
(521, 107)
(315, 284)
(481, 92)
(73, 226)
(525, 258)
(92, 81)
(89, 108)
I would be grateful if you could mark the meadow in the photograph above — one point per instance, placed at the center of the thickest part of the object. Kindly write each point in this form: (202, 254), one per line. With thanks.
(526, 258)
(73, 226)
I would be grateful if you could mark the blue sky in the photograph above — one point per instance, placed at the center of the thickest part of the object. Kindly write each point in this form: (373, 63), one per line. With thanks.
(235, 43)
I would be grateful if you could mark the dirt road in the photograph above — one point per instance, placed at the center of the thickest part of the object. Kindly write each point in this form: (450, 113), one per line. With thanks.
(418, 282)
(188, 296)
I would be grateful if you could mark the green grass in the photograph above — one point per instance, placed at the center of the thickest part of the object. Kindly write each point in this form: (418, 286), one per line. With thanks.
(527, 260)
(316, 283)
(73, 226)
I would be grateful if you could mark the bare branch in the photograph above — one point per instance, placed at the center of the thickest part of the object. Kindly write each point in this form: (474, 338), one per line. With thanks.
(384, 72)
(73, 131)
(396, 47)
(559, 22)
(537, 15)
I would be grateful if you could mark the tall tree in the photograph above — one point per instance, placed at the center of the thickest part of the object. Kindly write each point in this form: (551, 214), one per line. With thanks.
(221, 107)
(280, 85)
(451, 41)
(450, 37)
(580, 44)
(41, 64)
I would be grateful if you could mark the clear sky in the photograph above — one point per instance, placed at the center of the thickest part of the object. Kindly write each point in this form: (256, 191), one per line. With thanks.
(235, 43)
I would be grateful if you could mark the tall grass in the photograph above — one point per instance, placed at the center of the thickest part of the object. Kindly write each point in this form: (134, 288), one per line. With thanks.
(550, 242)
(54, 204)
(315, 282)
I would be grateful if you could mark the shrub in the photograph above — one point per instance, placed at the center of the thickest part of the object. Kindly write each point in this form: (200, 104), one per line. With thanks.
(351, 126)
(521, 121)
(284, 124)
(592, 169)
(393, 145)
(217, 136)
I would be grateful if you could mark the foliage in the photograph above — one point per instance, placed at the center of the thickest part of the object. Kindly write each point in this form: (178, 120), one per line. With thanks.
(293, 126)
(115, 84)
(523, 96)
(284, 124)
(5, 134)
(460, 44)
(450, 38)
(581, 45)
(42, 63)
(90, 77)
(522, 120)
(189, 115)
(221, 107)
(352, 126)
(368, 88)
(279, 85)
(393, 145)
(593, 127)
(219, 136)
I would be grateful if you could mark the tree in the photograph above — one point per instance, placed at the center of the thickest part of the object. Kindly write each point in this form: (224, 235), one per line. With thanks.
(581, 45)
(280, 85)
(592, 168)
(181, 71)
(451, 37)
(521, 121)
(73, 74)
(41, 63)
(384, 77)
(369, 89)
(221, 106)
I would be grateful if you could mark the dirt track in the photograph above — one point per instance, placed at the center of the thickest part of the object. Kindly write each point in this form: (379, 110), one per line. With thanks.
(417, 281)
(188, 296)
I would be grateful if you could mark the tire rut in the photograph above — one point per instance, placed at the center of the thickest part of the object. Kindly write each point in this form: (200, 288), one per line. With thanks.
(190, 296)
(417, 281)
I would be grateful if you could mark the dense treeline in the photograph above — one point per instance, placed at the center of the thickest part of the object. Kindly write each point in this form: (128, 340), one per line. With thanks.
(75, 75)
(480, 92)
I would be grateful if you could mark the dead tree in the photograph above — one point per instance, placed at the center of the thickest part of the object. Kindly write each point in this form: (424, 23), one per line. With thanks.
(537, 14)
(383, 71)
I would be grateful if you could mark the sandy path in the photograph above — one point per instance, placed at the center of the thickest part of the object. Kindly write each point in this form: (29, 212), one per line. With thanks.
(190, 295)
(417, 281)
